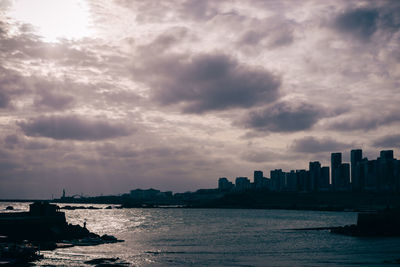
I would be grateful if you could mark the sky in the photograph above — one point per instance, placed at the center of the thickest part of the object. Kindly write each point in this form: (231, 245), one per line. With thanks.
(101, 97)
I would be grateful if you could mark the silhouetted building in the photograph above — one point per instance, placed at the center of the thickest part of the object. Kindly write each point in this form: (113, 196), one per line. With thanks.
(242, 184)
(370, 174)
(397, 174)
(323, 184)
(343, 177)
(385, 171)
(386, 154)
(355, 157)
(315, 172)
(278, 180)
(380, 175)
(291, 181)
(303, 177)
(258, 179)
(224, 184)
(336, 161)
(145, 194)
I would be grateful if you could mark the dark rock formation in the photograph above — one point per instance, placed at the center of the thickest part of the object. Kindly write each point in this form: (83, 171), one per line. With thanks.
(381, 223)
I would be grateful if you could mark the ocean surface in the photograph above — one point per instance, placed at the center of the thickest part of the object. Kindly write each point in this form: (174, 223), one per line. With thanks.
(221, 237)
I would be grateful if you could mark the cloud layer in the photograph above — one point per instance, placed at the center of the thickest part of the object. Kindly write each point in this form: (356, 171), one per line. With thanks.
(208, 82)
(175, 94)
(72, 128)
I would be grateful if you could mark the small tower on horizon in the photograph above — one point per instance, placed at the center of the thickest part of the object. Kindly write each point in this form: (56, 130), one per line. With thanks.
(63, 195)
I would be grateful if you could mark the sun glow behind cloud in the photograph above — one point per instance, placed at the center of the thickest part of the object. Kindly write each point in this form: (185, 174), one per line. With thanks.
(55, 19)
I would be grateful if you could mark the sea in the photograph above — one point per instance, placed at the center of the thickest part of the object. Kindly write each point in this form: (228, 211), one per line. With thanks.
(220, 237)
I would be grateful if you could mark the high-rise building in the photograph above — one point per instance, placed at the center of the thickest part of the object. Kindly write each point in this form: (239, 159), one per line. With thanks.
(302, 180)
(242, 184)
(336, 161)
(224, 184)
(343, 177)
(315, 173)
(386, 154)
(323, 183)
(397, 175)
(291, 181)
(385, 171)
(355, 157)
(278, 180)
(258, 179)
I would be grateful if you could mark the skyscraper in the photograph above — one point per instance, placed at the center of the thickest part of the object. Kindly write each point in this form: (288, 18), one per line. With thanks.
(315, 172)
(258, 178)
(336, 161)
(323, 183)
(386, 154)
(355, 156)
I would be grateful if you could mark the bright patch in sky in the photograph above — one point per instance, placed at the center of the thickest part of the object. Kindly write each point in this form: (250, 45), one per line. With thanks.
(55, 19)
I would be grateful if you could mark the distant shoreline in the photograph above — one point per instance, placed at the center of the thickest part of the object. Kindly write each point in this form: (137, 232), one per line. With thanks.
(319, 201)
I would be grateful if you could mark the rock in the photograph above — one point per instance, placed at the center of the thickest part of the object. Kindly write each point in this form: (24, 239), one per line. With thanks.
(10, 208)
(109, 238)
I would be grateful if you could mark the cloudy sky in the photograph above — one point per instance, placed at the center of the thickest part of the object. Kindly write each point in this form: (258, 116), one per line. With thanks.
(100, 97)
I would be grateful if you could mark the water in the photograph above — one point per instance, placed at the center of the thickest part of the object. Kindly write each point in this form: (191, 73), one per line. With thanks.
(221, 237)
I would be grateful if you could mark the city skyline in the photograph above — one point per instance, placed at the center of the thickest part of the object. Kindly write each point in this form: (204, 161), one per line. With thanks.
(100, 96)
(360, 175)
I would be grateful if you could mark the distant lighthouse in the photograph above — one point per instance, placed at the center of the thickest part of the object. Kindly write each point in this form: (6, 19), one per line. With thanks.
(63, 195)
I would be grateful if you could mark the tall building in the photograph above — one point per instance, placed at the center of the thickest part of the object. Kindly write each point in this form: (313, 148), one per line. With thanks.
(343, 177)
(278, 180)
(258, 179)
(224, 184)
(291, 181)
(386, 171)
(336, 161)
(323, 183)
(397, 174)
(355, 157)
(302, 180)
(386, 154)
(315, 173)
(242, 184)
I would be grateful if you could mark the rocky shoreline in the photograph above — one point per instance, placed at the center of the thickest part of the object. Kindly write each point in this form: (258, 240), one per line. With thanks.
(44, 227)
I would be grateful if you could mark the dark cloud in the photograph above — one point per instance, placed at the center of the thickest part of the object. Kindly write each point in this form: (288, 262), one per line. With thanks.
(361, 23)
(284, 117)
(10, 141)
(388, 141)
(208, 82)
(366, 122)
(53, 100)
(4, 100)
(251, 37)
(364, 22)
(6, 166)
(200, 10)
(262, 155)
(11, 85)
(72, 128)
(313, 145)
